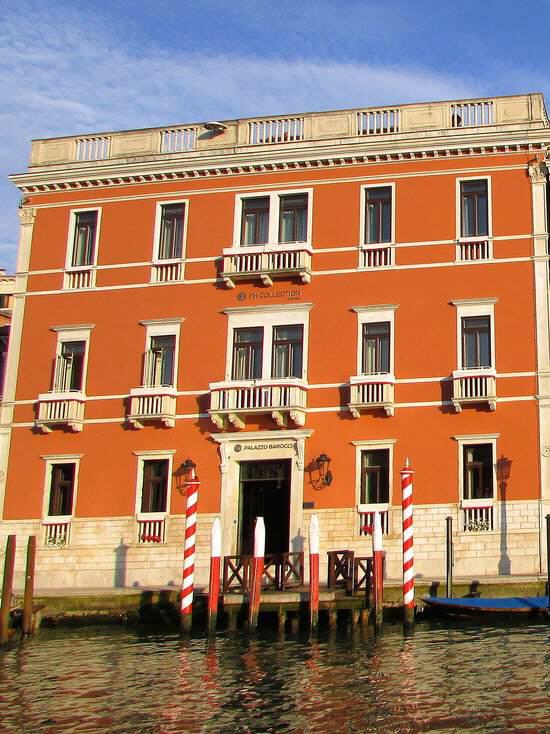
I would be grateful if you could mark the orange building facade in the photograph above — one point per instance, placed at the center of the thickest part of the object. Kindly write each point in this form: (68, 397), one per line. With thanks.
(298, 304)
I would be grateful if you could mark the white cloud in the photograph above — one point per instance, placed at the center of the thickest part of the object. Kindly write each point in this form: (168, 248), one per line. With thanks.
(63, 73)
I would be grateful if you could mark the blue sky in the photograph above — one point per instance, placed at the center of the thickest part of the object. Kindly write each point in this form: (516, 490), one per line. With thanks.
(72, 66)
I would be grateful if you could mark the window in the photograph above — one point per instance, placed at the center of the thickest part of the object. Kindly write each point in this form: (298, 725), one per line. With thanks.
(62, 489)
(378, 219)
(476, 342)
(474, 208)
(287, 351)
(375, 484)
(154, 493)
(171, 231)
(84, 239)
(159, 361)
(247, 353)
(282, 217)
(375, 348)
(478, 471)
(69, 371)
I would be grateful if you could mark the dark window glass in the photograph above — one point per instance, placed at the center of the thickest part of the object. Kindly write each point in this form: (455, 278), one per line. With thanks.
(478, 471)
(475, 220)
(375, 477)
(155, 485)
(84, 239)
(293, 218)
(247, 353)
(287, 351)
(255, 221)
(62, 489)
(376, 348)
(378, 218)
(69, 374)
(476, 342)
(4, 343)
(159, 370)
(171, 232)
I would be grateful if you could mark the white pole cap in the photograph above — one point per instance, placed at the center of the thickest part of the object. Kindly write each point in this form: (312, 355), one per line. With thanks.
(216, 539)
(377, 532)
(259, 538)
(314, 534)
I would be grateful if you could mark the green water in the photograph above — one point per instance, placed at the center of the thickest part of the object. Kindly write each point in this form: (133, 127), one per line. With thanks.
(440, 679)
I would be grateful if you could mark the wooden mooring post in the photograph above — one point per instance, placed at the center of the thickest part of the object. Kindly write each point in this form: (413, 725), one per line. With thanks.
(449, 556)
(28, 622)
(7, 587)
(314, 572)
(257, 574)
(378, 571)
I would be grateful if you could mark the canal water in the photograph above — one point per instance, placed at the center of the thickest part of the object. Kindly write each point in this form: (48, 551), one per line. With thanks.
(442, 678)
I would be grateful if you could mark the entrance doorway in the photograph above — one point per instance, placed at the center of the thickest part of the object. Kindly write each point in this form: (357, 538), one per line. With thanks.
(264, 492)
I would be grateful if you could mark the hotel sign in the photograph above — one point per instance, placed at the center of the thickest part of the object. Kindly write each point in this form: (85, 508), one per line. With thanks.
(262, 446)
(290, 294)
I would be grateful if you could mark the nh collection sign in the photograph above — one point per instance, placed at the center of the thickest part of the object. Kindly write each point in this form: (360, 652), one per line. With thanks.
(290, 294)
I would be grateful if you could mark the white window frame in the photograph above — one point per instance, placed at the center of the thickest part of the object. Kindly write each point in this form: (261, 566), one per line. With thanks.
(153, 455)
(274, 214)
(458, 222)
(75, 333)
(373, 445)
(267, 317)
(162, 327)
(469, 308)
(70, 244)
(363, 244)
(373, 315)
(50, 460)
(156, 260)
(477, 439)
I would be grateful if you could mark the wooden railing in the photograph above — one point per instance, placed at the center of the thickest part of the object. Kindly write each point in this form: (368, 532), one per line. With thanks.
(281, 571)
(349, 571)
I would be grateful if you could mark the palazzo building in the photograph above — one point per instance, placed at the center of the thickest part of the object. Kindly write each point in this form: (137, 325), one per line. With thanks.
(298, 304)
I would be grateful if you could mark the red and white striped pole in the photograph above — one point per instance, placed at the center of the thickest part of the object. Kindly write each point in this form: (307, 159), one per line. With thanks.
(187, 586)
(257, 573)
(378, 569)
(214, 584)
(408, 553)
(314, 572)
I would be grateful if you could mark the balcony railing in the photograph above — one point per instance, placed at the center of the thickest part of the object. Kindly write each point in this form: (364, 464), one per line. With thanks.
(156, 404)
(56, 531)
(151, 530)
(178, 139)
(378, 122)
(60, 409)
(474, 386)
(371, 392)
(233, 401)
(167, 272)
(366, 521)
(92, 149)
(472, 114)
(81, 278)
(266, 262)
(478, 519)
(472, 251)
(376, 257)
(282, 130)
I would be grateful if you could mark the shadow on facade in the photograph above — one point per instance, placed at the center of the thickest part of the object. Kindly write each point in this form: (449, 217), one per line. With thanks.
(504, 466)
(121, 553)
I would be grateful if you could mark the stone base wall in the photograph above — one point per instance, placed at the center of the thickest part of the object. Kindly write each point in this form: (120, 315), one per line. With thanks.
(104, 552)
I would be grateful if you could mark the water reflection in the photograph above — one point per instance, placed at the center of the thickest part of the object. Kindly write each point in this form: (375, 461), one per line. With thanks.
(441, 679)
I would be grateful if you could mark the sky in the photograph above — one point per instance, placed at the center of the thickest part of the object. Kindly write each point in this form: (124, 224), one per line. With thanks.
(75, 66)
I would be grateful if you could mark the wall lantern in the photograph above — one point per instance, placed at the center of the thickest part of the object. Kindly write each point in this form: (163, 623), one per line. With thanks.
(325, 475)
(184, 475)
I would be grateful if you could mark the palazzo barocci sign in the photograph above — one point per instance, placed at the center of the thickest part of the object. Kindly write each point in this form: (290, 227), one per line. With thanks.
(261, 446)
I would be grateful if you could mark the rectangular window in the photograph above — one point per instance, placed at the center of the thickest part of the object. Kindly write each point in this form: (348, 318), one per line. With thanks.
(61, 490)
(247, 353)
(375, 477)
(154, 491)
(171, 231)
(83, 251)
(159, 361)
(287, 351)
(69, 370)
(293, 218)
(255, 221)
(376, 348)
(378, 215)
(474, 209)
(478, 471)
(476, 342)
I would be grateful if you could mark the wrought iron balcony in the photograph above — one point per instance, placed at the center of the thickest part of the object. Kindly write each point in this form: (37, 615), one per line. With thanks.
(265, 262)
(283, 400)
(371, 392)
(474, 386)
(60, 409)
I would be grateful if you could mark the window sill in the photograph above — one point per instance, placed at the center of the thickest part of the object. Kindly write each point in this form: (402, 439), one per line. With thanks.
(68, 395)
(382, 507)
(57, 520)
(153, 389)
(480, 504)
(380, 377)
(151, 516)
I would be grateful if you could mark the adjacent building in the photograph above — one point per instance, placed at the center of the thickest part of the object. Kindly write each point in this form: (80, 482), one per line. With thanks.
(298, 304)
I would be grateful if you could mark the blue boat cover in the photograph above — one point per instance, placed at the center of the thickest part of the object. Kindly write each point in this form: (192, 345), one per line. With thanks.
(496, 604)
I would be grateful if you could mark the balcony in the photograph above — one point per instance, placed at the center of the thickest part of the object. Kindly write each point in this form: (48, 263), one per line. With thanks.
(152, 404)
(474, 386)
(283, 401)
(167, 271)
(474, 250)
(151, 528)
(371, 392)
(79, 278)
(266, 262)
(376, 257)
(56, 531)
(478, 516)
(63, 409)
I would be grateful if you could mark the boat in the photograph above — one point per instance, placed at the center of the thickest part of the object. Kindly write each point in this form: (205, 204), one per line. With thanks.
(479, 606)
